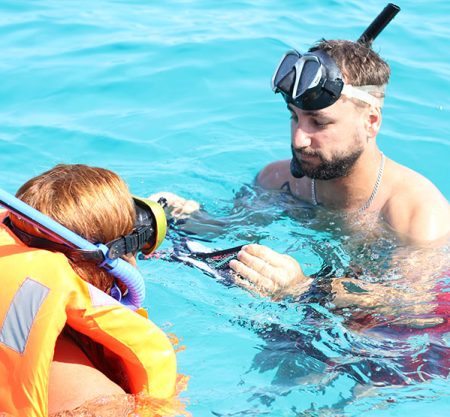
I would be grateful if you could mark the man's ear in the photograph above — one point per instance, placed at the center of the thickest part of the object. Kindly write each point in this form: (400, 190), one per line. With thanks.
(373, 121)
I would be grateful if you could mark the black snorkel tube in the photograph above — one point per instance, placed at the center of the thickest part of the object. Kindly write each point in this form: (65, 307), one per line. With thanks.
(378, 24)
(367, 37)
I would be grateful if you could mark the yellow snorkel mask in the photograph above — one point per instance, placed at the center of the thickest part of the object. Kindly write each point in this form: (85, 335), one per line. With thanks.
(150, 214)
(149, 231)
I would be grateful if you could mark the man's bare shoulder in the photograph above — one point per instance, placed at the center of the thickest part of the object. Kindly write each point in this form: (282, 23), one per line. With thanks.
(415, 208)
(275, 175)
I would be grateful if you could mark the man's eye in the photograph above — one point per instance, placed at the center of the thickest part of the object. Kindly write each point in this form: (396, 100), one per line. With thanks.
(294, 117)
(321, 123)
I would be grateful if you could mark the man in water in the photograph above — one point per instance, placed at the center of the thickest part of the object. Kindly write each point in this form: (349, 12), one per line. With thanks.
(334, 95)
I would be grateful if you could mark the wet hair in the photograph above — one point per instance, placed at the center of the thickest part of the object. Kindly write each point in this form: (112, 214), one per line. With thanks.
(359, 64)
(93, 202)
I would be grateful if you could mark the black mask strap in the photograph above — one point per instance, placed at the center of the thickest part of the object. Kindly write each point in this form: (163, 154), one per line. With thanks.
(119, 247)
(75, 255)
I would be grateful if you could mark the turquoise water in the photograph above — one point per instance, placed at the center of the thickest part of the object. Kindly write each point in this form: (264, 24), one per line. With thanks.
(175, 95)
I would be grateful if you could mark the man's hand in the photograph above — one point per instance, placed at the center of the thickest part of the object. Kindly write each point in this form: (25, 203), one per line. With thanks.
(269, 273)
(382, 298)
(176, 207)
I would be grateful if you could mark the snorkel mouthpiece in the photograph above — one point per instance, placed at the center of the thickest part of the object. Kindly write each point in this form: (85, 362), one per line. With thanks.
(295, 166)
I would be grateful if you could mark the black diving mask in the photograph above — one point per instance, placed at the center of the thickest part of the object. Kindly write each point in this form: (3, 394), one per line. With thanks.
(148, 233)
(313, 82)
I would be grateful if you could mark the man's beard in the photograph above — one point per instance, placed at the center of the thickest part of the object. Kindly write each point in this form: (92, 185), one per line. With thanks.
(339, 166)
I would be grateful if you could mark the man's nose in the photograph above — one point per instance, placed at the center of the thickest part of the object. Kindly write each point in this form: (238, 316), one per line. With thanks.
(300, 138)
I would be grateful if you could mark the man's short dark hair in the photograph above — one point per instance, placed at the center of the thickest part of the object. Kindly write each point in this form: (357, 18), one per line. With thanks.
(359, 64)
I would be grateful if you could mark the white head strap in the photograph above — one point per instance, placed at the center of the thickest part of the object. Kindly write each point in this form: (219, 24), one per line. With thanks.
(363, 93)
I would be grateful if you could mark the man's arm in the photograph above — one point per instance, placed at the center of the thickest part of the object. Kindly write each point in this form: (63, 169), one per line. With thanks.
(273, 176)
(175, 205)
(189, 217)
(407, 300)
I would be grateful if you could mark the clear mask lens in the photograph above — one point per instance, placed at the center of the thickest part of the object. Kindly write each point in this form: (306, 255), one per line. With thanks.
(284, 68)
(310, 74)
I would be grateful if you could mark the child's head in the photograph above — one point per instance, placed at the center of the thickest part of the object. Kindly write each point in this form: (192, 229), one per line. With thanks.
(92, 202)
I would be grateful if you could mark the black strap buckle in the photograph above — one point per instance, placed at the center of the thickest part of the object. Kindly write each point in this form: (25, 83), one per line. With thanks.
(130, 243)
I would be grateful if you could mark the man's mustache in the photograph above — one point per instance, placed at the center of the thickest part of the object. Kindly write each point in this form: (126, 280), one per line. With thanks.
(300, 152)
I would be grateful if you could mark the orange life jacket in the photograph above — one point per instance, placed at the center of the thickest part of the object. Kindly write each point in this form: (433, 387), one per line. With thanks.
(40, 295)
